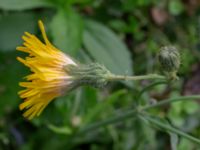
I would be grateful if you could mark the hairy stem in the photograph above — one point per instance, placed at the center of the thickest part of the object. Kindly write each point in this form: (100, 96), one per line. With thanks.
(140, 77)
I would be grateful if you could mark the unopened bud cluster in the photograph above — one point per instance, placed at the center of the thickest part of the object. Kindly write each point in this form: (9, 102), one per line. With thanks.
(169, 59)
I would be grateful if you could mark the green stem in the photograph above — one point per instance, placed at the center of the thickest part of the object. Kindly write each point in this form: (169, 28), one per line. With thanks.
(167, 101)
(169, 128)
(149, 87)
(131, 113)
(141, 77)
(112, 120)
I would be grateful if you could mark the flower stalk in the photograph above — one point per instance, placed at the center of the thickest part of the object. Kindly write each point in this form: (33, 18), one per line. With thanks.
(98, 76)
(135, 78)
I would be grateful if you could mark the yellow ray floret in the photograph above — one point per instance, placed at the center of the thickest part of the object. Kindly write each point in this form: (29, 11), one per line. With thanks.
(48, 79)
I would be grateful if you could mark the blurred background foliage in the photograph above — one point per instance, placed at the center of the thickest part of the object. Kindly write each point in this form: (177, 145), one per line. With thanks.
(125, 36)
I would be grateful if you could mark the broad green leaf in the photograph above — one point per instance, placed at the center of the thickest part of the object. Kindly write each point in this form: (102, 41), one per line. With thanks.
(107, 48)
(66, 28)
(175, 113)
(11, 73)
(94, 111)
(13, 26)
(23, 4)
(89, 98)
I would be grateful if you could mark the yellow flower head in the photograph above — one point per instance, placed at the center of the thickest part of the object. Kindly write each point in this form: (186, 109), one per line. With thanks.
(49, 78)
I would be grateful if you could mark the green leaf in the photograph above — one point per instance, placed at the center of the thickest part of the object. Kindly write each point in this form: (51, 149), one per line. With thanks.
(89, 98)
(185, 145)
(190, 107)
(60, 130)
(98, 108)
(107, 48)
(176, 7)
(13, 26)
(23, 4)
(11, 73)
(175, 113)
(66, 28)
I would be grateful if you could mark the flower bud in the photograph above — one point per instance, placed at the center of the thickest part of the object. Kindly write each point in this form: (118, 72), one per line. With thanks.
(169, 60)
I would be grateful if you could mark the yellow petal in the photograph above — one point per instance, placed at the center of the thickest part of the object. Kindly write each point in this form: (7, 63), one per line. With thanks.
(41, 26)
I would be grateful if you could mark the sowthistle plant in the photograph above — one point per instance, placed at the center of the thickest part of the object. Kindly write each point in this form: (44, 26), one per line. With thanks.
(55, 74)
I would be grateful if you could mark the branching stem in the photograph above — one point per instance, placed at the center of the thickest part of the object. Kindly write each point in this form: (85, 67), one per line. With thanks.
(132, 113)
